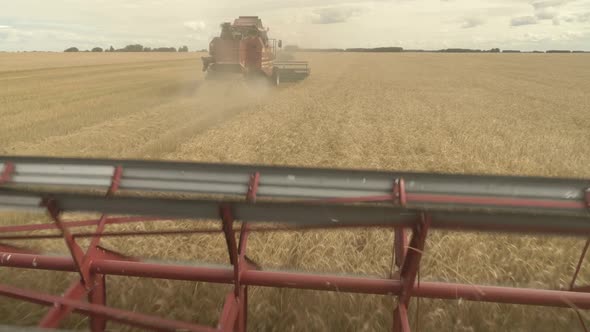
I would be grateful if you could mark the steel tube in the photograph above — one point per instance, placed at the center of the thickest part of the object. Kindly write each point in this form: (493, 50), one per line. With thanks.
(39, 262)
(127, 317)
(506, 191)
(510, 295)
(72, 224)
(353, 284)
(163, 271)
(336, 283)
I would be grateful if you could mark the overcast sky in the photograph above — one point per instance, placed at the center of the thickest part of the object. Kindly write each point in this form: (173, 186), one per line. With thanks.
(430, 24)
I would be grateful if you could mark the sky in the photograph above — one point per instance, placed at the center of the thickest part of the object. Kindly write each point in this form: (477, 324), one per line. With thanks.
(54, 25)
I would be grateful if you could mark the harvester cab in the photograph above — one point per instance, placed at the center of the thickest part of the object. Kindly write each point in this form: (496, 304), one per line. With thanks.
(244, 47)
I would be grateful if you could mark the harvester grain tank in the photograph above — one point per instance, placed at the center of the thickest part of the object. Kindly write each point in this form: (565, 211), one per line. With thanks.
(244, 47)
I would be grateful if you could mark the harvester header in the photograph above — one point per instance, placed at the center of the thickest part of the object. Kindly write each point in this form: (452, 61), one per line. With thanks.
(409, 204)
(244, 47)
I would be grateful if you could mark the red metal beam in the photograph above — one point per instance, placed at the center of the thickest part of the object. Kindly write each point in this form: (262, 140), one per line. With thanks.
(115, 181)
(58, 312)
(75, 250)
(414, 255)
(148, 322)
(92, 285)
(399, 192)
(230, 238)
(7, 172)
(497, 294)
(401, 321)
(579, 266)
(97, 292)
(243, 313)
(408, 272)
(253, 187)
(98, 295)
(229, 314)
(243, 265)
(581, 289)
(440, 290)
(400, 246)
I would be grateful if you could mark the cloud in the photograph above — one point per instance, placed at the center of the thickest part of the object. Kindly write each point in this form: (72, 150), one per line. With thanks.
(197, 26)
(472, 22)
(11, 35)
(534, 37)
(540, 4)
(523, 20)
(549, 9)
(5, 27)
(571, 35)
(334, 15)
(575, 18)
(546, 13)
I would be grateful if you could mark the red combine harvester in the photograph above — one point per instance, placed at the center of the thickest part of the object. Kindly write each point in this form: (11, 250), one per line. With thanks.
(244, 47)
(408, 204)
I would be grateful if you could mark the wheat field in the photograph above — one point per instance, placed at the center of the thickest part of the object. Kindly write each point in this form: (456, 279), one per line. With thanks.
(521, 114)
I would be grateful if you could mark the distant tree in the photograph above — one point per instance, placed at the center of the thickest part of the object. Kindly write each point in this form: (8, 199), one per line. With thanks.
(131, 48)
(459, 50)
(147, 49)
(111, 49)
(164, 49)
(495, 50)
(203, 50)
(183, 49)
(72, 49)
(97, 49)
(559, 51)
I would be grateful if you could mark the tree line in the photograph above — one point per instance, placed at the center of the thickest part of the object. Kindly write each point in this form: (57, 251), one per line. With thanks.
(131, 48)
(295, 48)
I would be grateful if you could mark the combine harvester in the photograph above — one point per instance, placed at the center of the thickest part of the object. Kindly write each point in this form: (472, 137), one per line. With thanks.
(244, 48)
(410, 204)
